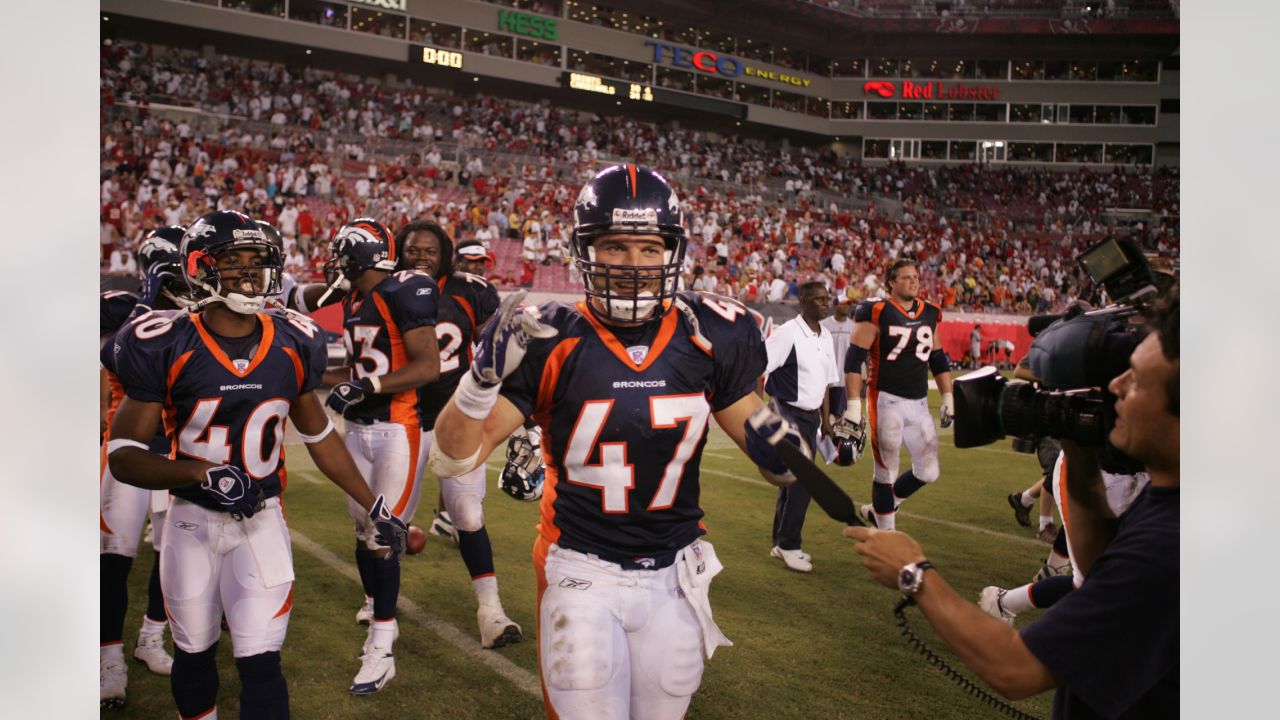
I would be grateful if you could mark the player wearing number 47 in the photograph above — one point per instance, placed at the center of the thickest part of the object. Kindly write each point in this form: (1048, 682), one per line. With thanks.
(622, 384)
(225, 375)
(894, 342)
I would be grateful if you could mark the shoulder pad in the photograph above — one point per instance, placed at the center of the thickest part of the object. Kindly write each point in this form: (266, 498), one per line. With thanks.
(720, 318)
(411, 281)
(862, 311)
(114, 307)
(291, 323)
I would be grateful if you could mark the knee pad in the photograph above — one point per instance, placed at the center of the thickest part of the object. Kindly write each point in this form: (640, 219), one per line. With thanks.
(579, 652)
(926, 472)
(464, 499)
(263, 667)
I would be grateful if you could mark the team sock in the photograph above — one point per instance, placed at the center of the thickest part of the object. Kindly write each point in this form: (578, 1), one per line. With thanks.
(1045, 593)
(155, 596)
(264, 695)
(476, 551)
(365, 559)
(113, 596)
(1017, 600)
(151, 627)
(194, 681)
(1027, 499)
(111, 651)
(883, 503)
(382, 633)
(1046, 521)
(386, 588)
(486, 589)
(906, 485)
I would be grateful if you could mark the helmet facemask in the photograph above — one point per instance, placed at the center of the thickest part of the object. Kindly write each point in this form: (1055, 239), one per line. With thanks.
(630, 293)
(205, 278)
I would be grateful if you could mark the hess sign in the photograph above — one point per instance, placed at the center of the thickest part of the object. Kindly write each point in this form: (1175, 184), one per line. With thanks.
(443, 58)
(909, 90)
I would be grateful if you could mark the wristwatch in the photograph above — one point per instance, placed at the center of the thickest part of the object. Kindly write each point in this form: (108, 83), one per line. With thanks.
(911, 577)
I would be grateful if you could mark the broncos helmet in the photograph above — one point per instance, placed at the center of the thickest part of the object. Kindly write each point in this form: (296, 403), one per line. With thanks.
(524, 473)
(273, 235)
(636, 200)
(160, 249)
(218, 233)
(362, 244)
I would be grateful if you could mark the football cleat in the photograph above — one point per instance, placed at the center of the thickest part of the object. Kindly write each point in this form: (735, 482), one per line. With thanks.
(990, 602)
(1047, 571)
(150, 650)
(1047, 534)
(796, 560)
(364, 615)
(869, 515)
(113, 678)
(1020, 513)
(496, 629)
(377, 667)
(442, 526)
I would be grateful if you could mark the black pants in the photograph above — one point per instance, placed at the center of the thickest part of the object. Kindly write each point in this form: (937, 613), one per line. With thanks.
(793, 500)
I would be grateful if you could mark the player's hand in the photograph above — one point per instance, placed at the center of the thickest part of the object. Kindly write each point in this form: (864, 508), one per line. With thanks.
(765, 428)
(391, 530)
(348, 393)
(234, 490)
(850, 438)
(947, 411)
(503, 341)
(153, 283)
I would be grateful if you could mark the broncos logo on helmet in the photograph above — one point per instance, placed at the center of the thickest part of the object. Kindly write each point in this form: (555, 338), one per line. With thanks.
(362, 244)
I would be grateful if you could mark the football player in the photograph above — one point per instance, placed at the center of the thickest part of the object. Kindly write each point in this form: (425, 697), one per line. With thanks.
(388, 319)
(123, 509)
(466, 304)
(895, 338)
(223, 375)
(622, 384)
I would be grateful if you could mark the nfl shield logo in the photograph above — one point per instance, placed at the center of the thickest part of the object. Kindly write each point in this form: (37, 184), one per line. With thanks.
(638, 353)
(241, 365)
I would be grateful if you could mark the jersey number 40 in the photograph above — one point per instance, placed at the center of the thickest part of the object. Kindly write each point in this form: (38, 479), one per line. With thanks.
(613, 474)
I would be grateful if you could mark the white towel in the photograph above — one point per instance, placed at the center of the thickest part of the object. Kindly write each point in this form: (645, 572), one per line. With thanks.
(695, 567)
(269, 541)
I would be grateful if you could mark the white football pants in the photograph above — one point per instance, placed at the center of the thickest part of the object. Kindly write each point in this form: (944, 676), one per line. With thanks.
(894, 420)
(122, 509)
(386, 454)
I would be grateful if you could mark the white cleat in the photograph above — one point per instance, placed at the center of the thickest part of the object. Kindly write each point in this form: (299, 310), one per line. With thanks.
(869, 515)
(990, 602)
(496, 629)
(442, 526)
(113, 678)
(150, 650)
(377, 667)
(364, 615)
(797, 560)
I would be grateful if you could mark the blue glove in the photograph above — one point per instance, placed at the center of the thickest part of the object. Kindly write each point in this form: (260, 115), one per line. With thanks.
(234, 490)
(153, 283)
(765, 428)
(503, 341)
(348, 393)
(392, 532)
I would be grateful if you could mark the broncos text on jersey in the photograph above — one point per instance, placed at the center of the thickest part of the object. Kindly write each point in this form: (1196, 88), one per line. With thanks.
(466, 304)
(220, 409)
(624, 419)
(373, 332)
(898, 361)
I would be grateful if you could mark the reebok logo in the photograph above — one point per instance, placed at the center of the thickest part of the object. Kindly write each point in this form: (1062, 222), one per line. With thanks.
(882, 88)
(184, 525)
(575, 584)
(424, 291)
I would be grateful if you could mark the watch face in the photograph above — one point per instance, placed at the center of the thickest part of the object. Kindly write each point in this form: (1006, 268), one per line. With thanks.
(906, 579)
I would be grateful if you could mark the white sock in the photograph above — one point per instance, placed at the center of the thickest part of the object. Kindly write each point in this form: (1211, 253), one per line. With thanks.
(383, 632)
(1017, 600)
(486, 589)
(151, 627)
(111, 651)
(887, 522)
(1046, 521)
(1027, 499)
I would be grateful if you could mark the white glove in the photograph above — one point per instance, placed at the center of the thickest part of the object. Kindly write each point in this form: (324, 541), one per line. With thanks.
(947, 411)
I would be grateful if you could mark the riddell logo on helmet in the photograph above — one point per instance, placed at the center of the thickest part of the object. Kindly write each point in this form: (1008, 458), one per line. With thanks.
(879, 87)
(647, 216)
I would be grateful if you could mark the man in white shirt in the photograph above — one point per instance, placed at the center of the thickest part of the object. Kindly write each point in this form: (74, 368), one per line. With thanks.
(840, 325)
(802, 365)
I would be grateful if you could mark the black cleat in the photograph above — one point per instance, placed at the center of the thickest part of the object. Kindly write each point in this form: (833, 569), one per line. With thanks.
(1020, 513)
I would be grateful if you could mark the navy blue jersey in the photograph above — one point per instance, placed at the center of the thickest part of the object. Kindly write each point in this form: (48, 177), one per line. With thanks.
(114, 307)
(220, 408)
(898, 361)
(375, 327)
(624, 419)
(466, 304)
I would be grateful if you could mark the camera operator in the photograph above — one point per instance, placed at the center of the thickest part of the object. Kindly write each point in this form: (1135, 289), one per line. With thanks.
(1110, 647)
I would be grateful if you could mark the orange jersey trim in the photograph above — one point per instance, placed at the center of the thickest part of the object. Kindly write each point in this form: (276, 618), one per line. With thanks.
(264, 346)
(415, 443)
(873, 396)
(919, 311)
(548, 531)
(403, 407)
(287, 606)
(550, 377)
(297, 364)
(540, 548)
(665, 332)
(174, 371)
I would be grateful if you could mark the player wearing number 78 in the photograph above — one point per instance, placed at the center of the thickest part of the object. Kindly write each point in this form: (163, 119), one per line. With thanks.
(894, 339)
(622, 384)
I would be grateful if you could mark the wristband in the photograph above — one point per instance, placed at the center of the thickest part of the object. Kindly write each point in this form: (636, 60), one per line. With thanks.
(371, 385)
(313, 439)
(473, 399)
(853, 413)
(122, 443)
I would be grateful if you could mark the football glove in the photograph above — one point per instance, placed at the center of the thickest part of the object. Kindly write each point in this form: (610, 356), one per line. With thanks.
(947, 411)
(234, 490)
(391, 530)
(503, 341)
(850, 437)
(348, 393)
(765, 428)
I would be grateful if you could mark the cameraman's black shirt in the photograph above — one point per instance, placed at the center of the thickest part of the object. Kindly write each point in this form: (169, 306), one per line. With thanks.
(1113, 643)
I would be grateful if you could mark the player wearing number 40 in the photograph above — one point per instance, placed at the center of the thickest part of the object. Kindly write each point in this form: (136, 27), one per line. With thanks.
(622, 384)
(894, 344)
(224, 375)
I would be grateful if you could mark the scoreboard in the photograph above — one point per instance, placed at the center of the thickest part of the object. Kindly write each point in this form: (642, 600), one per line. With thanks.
(641, 92)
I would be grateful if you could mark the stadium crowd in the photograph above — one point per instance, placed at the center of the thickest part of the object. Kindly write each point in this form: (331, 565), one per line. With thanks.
(307, 150)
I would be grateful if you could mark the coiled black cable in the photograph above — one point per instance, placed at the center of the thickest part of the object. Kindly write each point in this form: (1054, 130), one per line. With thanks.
(934, 659)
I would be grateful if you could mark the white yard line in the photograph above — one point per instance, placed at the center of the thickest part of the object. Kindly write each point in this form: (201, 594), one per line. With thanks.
(468, 643)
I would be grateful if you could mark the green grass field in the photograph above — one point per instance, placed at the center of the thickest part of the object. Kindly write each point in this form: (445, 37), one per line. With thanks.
(821, 645)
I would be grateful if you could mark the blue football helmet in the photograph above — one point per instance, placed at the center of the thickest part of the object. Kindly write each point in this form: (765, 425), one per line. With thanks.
(362, 244)
(159, 249)
(629, 199)
(523, 476)
(216, 234)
